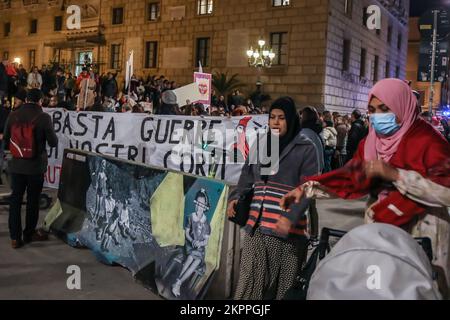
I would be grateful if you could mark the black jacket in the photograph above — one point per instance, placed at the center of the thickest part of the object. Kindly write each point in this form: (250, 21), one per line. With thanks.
(3, 78)
(109, 87)
(44, 133)
(22, 77)
(61, 89)
(48, 82)
(4, 113)
(169, 110)
(357, 132)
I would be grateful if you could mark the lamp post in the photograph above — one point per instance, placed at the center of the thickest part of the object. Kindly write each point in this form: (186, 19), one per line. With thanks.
(261, 57)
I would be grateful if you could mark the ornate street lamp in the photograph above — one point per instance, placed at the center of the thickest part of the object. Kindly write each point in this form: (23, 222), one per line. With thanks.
(261, 57)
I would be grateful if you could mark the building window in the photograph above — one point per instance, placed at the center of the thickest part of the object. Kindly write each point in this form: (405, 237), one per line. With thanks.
(32, 58)
(203, 52)
(278, 42)
(387, 71)
(57, 55)
(7, 29)
(151, 54)
(115, 56)
(346, 55)
(362, 68)
(397, 72)
(117, 16)
(5, 55)
(204, 7)
(33, 26)
(58, 23)
(280, 3)
(376, 64)
(348, 8)
(5, 4)
(389, 34)
(399, 42)
(153, 11)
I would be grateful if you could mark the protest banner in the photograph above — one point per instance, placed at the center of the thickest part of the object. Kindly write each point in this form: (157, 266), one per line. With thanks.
(215, 147)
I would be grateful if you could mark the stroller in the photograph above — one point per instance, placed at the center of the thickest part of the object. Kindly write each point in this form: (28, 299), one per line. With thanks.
(372, 262)
(45, 200)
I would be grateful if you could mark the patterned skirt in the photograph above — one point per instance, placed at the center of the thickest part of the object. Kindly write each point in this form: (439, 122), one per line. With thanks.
(269, 266)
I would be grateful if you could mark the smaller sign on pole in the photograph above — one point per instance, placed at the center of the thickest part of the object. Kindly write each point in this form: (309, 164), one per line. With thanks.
(204, 84)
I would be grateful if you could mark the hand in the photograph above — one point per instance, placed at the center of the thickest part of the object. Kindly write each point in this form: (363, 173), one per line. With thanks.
(283, 226)
(291, 198)
(231, 211)
(380, 169)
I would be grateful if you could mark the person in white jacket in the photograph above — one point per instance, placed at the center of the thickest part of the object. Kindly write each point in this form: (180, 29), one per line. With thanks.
(34, 80)
(329, 135)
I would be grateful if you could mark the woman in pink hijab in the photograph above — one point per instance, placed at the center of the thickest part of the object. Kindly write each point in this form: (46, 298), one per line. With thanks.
(398, 142)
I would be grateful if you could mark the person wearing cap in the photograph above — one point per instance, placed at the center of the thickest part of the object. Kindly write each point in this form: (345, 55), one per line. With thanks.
(169, 104)
(356, 134)
(28, 174)
(19, 98)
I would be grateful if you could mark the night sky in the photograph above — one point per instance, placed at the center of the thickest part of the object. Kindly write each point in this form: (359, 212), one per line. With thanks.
(418, 7)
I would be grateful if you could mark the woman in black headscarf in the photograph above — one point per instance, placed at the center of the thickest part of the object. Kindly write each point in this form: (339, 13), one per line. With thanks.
(275, 244)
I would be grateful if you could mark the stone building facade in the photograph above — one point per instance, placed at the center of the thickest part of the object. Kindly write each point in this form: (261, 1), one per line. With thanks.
(313, 64)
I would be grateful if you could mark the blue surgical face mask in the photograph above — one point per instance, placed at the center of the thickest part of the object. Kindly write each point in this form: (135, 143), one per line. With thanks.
(384, 123)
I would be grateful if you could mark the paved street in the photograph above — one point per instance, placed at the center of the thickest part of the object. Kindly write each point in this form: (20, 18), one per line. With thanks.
(38, 271)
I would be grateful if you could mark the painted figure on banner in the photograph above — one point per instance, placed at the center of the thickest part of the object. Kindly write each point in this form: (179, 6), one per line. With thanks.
(198, 231)
(124, 221)
(163, 226)
(110, 232)
(241, 147)
(104, 220)
(100, 180)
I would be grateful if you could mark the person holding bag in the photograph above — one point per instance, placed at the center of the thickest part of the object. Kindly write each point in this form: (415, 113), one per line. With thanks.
(275, 244)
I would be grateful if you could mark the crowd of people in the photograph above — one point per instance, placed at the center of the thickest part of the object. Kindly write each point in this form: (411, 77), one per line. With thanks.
(375, 150)
(340, 134)
(153, 95)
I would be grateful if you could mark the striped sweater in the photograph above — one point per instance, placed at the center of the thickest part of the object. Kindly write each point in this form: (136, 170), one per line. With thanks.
(268, 196)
